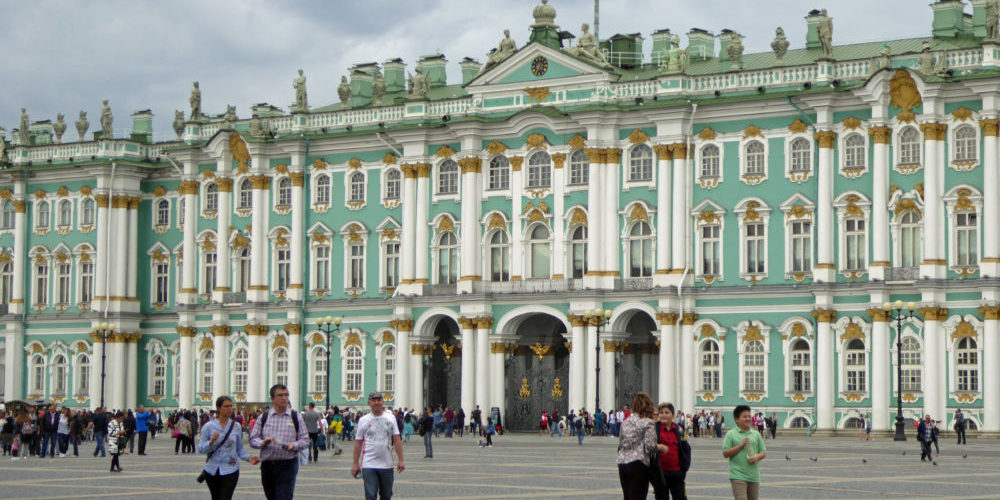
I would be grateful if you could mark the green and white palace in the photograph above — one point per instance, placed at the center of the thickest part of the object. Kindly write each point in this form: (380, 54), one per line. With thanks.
(575, 221)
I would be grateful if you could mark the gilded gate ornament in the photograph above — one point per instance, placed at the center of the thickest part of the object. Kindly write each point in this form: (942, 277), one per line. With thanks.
(525, 391)
(557, 392)
(540, 350)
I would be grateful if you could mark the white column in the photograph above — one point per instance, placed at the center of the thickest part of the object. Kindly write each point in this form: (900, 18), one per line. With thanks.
(990, 264)
(403, 360)
(577, 357)
(95, 371)
(408, 240)
(468, 327)
(933, 264)
(881, 374)
(498, 396)
(558, 224)
(471, 206)
(257, 358)
(295, 364)
(295, 286)
(133, 253)
(258, 240)
(663, 211)
(118, 384)
(483, 327)
(689, 352)
(132, 364)
(416, 396)
(18, 278)
(516, 183)
(935, 391)
(680, 209)
(824, 369)
(223, 252)
(607, 375)
(590, 367)
(422, 237)
(611, 235)
(825, 270)
(595, 222)
(991, 369)
(119, 207)
(880, 201)
(189, 288)
(220, 368)
(668, 364)
(186, 393)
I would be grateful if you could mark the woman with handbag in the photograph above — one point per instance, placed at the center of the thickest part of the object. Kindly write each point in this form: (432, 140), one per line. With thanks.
(222, 440)
(116, 440)
(636, 444)
(674, 456)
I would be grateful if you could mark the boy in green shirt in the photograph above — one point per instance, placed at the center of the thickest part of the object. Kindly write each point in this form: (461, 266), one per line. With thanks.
(744, 447)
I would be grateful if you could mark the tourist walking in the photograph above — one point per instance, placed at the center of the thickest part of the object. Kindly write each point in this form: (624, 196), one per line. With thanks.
(312, 418)
(488, 431)
(222, 441)
(62, 431)
(925, 434)
(449, 422)
(460, 422)
(99, 424)
(116, 440)
(935, 430)
(77, 431)
(49, 423)
(142, 428)
(377, 434)
(279, 434)
(425, 427)
(744, 447)
(960, 426)
(182, 430)
(675, 456)
(636, 442)
(476, 421)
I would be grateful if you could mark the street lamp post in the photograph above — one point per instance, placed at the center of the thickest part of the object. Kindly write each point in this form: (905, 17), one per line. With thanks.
(331, 326)
(104, 330)
(895, 312)
(598, 317)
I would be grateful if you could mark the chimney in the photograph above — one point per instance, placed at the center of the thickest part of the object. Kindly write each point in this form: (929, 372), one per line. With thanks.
(142, 126)
(394, 73)
(812, 29)
(433, 67)
(661, 42)
(949, 18)
(979, 18)
(725, 37)
(701, 44)
(470, 68)
(362, 76)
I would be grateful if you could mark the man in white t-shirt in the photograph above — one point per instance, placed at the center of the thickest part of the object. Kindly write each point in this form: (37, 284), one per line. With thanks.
(377, 433)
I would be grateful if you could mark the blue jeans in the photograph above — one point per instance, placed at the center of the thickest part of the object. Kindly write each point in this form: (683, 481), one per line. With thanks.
(76, 445)
(428, 449)
(99, 437)
(449, 428)
(378, 483)
(48, 437)
(554, 428)
(63, 443)
(579, 435)
(278, 478)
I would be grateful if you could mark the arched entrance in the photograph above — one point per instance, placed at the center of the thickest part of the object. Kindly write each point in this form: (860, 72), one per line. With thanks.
(537, 372)
(637, 361)
(443, 367)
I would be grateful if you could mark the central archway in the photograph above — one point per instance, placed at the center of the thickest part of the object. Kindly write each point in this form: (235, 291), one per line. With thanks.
(537, 371)
(443, 368)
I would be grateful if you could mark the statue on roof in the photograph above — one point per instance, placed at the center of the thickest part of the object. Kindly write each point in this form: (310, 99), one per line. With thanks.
(82, 125)
(883, 60)
(419, 85)
(779, 45)
(378, 87)
(23, 131)
(735, 52)
(59, 127)
(258, 128)
(230, 115)
(301, 101)
(195, 101)
(587, 48)
(344, 90)
(178, 123)
(825, 33)
(106, 119)
(675, 59)
(498, 55)
(925, 61)
(993, 20)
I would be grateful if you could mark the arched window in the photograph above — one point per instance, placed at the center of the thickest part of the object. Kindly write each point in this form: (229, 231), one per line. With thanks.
(88, 214)
(447, 258)
(753, 366)
(7, 221)
(909, 246)
(206, 363)
(212, 197)
(448, 177)
(640, 250)
(352, 369)
(799, 423)
(37, 374)
(539, 252)
(539, 170)
(6, 282)
(58, 385)
(711, 246)
(246, 194)
(711, 369)
(579, 168)
(909, 147)
(392, 184)
(319, 369)
(967, 245)
(322, 189)
(911, 366)
(499, 172)
(159, 383)
(641, 163)
(710, 161)
(856, 366)
(801, 155)
(65, 213)
(965, 143)
(242, 281)
(357, 187)
(967, 363)
(388, 382)
(43, 215)
(163, 213)
(280, 370)
(753, 153)
(578, 251)
(240, 368)
(499, 248)
(801, 373)
(854, 152)
(284, 192)
(180, 212)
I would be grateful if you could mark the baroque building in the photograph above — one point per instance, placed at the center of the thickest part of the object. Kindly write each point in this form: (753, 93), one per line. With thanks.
(742, 217)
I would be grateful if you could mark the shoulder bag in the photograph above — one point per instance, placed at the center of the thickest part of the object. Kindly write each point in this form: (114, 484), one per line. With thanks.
(204, 475)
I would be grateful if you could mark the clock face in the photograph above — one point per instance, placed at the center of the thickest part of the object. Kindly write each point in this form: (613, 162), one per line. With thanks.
(539, 66)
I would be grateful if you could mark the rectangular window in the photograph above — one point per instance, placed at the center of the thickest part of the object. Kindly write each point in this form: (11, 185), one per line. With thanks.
(62, 282)
(710, 244)
(755, 253)
(319, 372)
(966, 239)
(83, 385)
(162, 283)
(911, 379)
(6, 282)
(86, 282)
(801, 246)
(322, 277)
(801, 372)
(388, 369)
(357, 266)
(391, 265)
(284, 268)
(42, 284)
(856, 248)
(159, 379)
(210, 264)
(968, 380)
(856, 372)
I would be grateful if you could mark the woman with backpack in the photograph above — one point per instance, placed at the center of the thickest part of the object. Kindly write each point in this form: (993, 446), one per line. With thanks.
(675, 456)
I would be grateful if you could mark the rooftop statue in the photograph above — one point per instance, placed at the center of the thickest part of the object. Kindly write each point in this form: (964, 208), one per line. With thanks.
(82, 125)
(506, 49)
(735, 52)
(544, 14)
(344, 90)
(59, 127)
(419, 85)
(993, 20)
(779, 45)
(301, 101)
(587, 48)
(23, 131)
(230, 114)
(195, 101)
(825, 33)
(378, 88)
(106, 119)
(675, 59)
(883, 60)
(179, 123)
(258, 128)
(925, 61)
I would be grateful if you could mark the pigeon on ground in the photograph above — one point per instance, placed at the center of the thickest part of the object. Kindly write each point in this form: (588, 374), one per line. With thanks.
(965, 455)
(814, 459)
(787, 457)
(935, 463)
(904, 452)
(864, 460)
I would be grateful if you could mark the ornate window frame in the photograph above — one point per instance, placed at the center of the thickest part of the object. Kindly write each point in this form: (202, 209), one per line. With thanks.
(501, 190)
(703, 180)
(37, 366)
(234, 349)
(40, 256)
(58, 350)
(899, 204)
(353, 176)
(746, 332)
(279, 242)
(796, 209)
(154, 348)
(845, 133)
(542, 189)
(707, 214)
(242, 185)
(158, 255)
(753, 135)
(385, 340)
(494, 221)
(912, 328)
(278, 190)
(627, 168)
(962, 118)
(852, 204)
(37, 226)
(320, 237)
(798, 176)
(85, 199)
(445, 224)
(63, 227)
(638, 215)
(710, 331)
(575, 218)
(352, 338)
(208, 211)
(62, 277)
(848, 329)
(313, 354)
(81, 381)
(438, 178)
(316, 190)
(354, 233)
(963, 199)
(207, 244)
(387, 172)
(792, 330)
(752, 210)
(527, 241)
(958, 327)
(579, 186)
(897, 150)
(389, 232)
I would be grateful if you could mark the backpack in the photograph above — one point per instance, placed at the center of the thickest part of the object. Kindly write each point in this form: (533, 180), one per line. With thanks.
(263, 420)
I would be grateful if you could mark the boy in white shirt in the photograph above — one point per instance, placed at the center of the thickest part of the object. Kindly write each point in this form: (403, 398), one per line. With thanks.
(376, 435)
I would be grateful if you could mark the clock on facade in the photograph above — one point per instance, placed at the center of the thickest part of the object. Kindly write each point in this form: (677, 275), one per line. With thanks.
(539, 66)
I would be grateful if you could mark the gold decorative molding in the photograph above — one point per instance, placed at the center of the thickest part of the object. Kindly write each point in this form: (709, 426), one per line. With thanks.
(825, 138)
(219, 330)
(707, 217)
(824, 315)
(880, 135)
(240, 152)
(40, 194)
(502, 348)
(962, 113)
(497, 222)
(389, 159)
(525, 391)
(903, 92)
(707, 134)
(990, 313)
(613, 156)
(354, 163)
(753, 333)
(6, 194)
(857, 397)
(662, 151)
(470, 165)
(752, 131)
(444, 152)
(638, 213)
(990, 126)
(496, 147)
(446, 224)
(852, 331)
(577, 142)
(878, 315)
(541, 350)
(186, 331)
(185, 187)
(578, 217)
(536, 141)
(596, 155)
(319, 164)
(934, 131)
(557, 392)
(537, 95)
(798, 397)
(851, 123)
(798, 127)
(421, 349)
(668, 318)
(964, 330)
(906, 205)
(689, 319)
(558, 160)
(638, 137)
(798, 212)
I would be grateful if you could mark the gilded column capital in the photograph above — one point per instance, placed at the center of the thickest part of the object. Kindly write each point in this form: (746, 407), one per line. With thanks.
(595, 155)
(470, 165)
(421, 349)
(187, 187)
(132, 338)
(298, 178)
(484, 322)
(824, 315)
(668, 318)
(186, 331)
(293, 328)
(663, 151)
(503, 347)
(20, 206)
(225, 184)
(679, 150)
(878, 314)
(933, 313)
(989, 312)
(577, 320)
(219, 330)
(120, 201)
(402, 325)
(423, 170)
(558, 160)
(934, 131)
(825, 138)
(262, 182)
(613, 156)
(133, 202)
(881, 134)
(990, 126)
(515, 163)
(466, 323)
(252, 330)
(409, 171)
(689, 319)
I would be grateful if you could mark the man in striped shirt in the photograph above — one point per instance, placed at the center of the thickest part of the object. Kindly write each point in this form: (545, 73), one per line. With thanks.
(279, 434)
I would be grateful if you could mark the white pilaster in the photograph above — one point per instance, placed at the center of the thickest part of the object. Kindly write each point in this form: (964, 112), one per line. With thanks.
(824, 369)
(825, 270)
(132, 364)
(120, 211)
(663, 211)
(679, 250)
(189, 287)
(95, 371)
(256, 390)
(408, 240)
(483, 327)
(611, 235)
(14, 362)
(295, 366)
(933, 264)
(990, 264)
(880, 201)
(220, 369)
(935, 390)
(259, 290)
(468, 363)
(416, 396)
(516, 188)
(590, 367)
(422, 257)
(403, 362)
(497, 394)
(991, 370)
(577, 357)
(223, 252)
(595, 224)
(20, 256)
(558, 225)
(688, 350)
(607, 376)
(186, 393)
(471, 208)
(296, 290)
(668, 358)
(118, 384)
(881, 387)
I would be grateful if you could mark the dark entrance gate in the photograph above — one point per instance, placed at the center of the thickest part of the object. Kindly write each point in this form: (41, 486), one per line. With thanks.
(535, 385)
(443, 368)
(628, 380)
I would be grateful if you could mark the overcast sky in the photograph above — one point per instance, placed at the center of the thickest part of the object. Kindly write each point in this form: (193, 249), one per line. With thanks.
(64, 57)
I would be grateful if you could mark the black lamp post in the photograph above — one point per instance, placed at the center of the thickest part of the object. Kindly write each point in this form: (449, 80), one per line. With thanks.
(103, 330)
(598, 318)
(895, 312)
(331, 326)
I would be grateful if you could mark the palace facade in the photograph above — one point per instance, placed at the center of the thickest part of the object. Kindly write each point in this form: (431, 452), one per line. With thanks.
(741, 217)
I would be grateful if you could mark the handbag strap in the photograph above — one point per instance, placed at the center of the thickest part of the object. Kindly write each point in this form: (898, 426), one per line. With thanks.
(224, 438)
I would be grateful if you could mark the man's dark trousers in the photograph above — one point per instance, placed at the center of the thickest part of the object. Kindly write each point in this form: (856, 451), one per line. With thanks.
(278, 478)
(378, 483)
(142, 442)
(46, 438)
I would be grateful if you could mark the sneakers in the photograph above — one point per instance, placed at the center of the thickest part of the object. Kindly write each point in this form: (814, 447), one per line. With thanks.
(62, 455)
